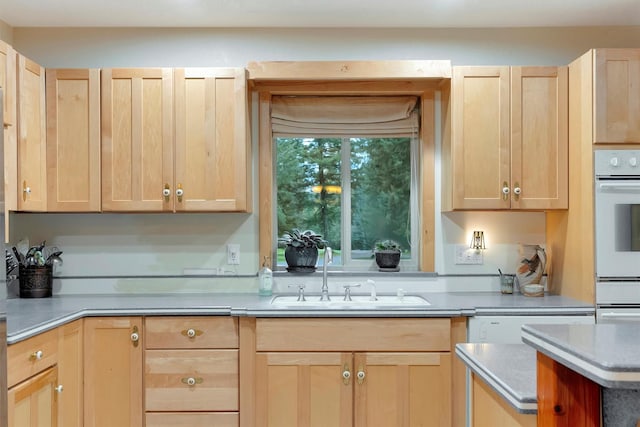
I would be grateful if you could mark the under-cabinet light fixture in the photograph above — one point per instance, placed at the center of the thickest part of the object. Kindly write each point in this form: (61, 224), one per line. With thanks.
(477, 241)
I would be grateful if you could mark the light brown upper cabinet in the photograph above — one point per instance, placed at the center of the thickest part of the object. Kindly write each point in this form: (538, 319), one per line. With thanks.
(175, 140)
(212, 157)
(616, 95)
(137, 139)
(8, 82)
(509, 139)
(73, 140)
(32, 148)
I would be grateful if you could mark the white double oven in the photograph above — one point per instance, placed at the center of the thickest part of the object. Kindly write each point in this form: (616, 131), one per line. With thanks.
(617, 235)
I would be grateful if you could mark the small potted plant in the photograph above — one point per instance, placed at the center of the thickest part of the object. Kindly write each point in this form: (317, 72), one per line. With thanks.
(301, 249)
(387, 253)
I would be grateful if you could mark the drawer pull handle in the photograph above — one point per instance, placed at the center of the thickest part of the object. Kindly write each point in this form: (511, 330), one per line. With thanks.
(59, 388)
(191, 381)
(36, 355)
(192, 333)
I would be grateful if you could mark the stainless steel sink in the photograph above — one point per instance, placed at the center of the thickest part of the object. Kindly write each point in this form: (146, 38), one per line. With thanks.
(356, 301)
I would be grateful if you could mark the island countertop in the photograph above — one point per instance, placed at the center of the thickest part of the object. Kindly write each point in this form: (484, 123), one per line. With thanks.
(607, 354)
(28, 317)
(509, 369)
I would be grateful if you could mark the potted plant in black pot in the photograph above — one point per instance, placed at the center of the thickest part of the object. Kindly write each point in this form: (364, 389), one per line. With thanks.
(387, 253)
(301, 249)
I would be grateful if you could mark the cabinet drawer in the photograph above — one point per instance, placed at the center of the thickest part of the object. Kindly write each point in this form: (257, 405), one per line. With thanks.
(215, 373)
(353, 334)
(177, 419)
(191, 332)
(27, 358)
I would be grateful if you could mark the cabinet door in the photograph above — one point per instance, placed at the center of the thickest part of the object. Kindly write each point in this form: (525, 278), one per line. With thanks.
(32, 148)
(212, 144)
(33, 403)
(113, 372)
(480, 137)
(303, 389)
(617, 95)
(8, 82)
(490, 409)
(137, 139)
(70, 360)
(539, 138)
(73, 140)
(402, 389)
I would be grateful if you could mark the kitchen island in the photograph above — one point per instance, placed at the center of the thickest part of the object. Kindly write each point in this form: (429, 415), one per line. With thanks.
(584, 371)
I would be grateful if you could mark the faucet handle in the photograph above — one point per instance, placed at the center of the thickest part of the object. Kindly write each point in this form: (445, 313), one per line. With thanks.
(347, 291)
(300, 291)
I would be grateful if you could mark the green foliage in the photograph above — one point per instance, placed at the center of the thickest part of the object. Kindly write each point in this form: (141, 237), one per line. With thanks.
(387, 245)
(302, 239)
(380, 188)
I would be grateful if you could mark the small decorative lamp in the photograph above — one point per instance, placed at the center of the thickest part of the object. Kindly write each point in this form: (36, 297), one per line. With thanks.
(477, 241)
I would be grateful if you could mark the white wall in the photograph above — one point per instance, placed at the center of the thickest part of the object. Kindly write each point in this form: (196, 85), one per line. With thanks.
(6, 32)
(165, 244)
(122, 47)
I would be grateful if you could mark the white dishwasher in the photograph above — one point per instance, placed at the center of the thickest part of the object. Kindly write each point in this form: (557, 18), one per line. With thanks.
(507, 330)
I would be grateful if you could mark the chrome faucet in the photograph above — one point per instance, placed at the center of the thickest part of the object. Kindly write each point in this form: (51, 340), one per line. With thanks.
(328, 259)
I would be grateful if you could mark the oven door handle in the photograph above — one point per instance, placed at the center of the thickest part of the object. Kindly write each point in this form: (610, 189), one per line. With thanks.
(612, 315)
(634, 185)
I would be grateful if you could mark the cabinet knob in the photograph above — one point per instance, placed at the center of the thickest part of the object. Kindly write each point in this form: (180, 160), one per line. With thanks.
(166, 192)
(360, 375)
(191, 333)
(59, 388)
(346, 374)
(36, 355)
(505, 190)
(135, 336)
(26, 190)
(191, 381)
(516, 192)
(179, 192)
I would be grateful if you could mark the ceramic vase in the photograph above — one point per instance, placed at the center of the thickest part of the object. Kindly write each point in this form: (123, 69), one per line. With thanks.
(532, 262)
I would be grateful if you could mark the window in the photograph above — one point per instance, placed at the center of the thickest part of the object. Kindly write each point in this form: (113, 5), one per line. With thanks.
(352, 189)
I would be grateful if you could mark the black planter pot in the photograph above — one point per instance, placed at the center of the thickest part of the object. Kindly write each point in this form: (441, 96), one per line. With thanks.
(301, 260)
(388, 260)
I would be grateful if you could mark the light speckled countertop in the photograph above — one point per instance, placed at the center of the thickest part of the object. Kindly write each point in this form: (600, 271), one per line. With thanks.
(607, 354)
(28, 317)
(509, 369)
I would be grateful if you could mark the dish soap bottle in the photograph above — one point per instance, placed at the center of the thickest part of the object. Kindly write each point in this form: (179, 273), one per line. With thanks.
(265, 279)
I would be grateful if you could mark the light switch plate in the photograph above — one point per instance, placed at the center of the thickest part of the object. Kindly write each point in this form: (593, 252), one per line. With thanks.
(466, 255)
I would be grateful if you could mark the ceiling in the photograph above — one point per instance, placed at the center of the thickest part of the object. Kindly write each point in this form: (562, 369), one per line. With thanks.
(326, 13)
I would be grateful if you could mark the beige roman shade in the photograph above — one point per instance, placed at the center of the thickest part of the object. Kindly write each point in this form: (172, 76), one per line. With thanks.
(338, 116)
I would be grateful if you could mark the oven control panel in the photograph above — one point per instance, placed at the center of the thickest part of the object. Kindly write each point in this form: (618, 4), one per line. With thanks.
(617, 162)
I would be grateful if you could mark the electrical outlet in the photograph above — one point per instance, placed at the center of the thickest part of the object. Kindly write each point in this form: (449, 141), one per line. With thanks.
(233, 254)
(466, 255)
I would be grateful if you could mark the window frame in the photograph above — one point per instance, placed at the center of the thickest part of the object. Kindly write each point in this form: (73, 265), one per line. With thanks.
(425, 89)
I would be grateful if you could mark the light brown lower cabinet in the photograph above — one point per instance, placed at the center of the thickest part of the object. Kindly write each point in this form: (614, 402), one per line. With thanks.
(70, 374)
(113, 355)
(191, 368)
(353, 372)
(33, 402)
(489, 409)
(181, 419)
(353, 389)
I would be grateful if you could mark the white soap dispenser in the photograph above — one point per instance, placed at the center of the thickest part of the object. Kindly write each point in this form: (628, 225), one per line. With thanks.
(265, 279)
